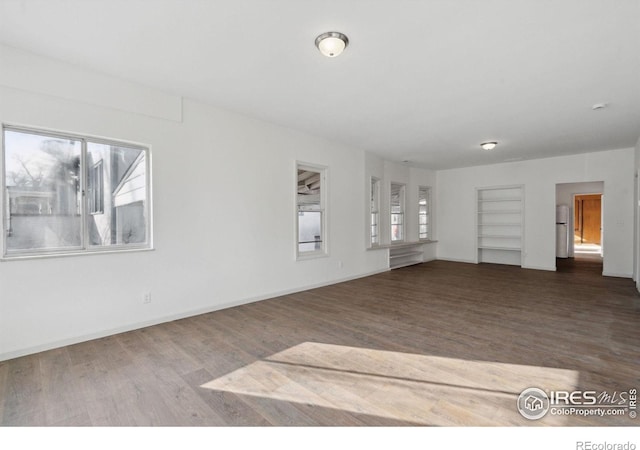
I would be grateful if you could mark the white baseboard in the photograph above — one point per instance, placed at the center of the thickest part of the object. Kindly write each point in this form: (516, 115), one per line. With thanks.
(468, 261)
(547, 268)
(164, 319)
(617, 275)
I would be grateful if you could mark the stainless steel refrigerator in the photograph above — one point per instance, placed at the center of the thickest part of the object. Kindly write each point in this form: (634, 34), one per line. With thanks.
(562, 231)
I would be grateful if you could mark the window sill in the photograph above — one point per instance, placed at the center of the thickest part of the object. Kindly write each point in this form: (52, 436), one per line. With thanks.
(311, 256)
(74, 253)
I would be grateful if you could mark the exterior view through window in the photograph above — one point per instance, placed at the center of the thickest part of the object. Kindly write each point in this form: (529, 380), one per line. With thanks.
(375, 210)
(310, 204)
(423, 212)
(397, 212)
(67, 193)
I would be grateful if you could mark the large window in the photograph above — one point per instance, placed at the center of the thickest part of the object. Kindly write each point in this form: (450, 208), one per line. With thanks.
(374, 206)
(310, 194)
(397, 212)
(424, 207)
(65, 193)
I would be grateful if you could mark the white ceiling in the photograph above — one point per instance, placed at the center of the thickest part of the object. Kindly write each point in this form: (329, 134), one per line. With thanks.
(425, 81)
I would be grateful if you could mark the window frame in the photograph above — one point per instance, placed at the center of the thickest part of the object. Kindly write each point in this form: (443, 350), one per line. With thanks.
(402, 213)
(427, 189)
(374, 190)
(85, 247)
(323, 250)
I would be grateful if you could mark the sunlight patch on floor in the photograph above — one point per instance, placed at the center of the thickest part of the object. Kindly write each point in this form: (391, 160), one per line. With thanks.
(421, 389)
(587, 249)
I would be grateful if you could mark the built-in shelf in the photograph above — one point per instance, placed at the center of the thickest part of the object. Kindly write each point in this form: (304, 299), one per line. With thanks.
(403, 254)
(503, 224)
(500, 199)
(509, 249)
(505, 211)
(500, 231)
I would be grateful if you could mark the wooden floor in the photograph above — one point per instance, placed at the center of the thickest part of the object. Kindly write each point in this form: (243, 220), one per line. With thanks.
(440, 343)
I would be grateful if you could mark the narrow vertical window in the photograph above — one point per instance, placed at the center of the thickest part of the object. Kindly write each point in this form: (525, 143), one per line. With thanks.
(397, 212)
(424, 207)
(70, 194)
(374, 205)
(310, 194)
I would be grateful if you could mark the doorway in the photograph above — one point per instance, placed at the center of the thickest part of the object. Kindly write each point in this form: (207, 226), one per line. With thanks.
(584, 235)
(587, 225)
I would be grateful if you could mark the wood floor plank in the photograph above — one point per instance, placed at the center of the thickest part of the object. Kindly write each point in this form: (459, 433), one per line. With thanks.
(439, 343)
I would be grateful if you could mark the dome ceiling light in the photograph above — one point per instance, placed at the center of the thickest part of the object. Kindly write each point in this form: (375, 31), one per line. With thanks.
(488, 145)
(332, 43)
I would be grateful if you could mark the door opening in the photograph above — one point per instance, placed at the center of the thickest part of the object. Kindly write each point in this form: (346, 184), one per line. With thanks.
(587, 225)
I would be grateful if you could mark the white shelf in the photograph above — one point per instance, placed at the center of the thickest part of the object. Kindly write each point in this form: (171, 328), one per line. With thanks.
(504, 224)
(493, 247)
(404, 255)
(505, 211)
(499, 236)
(500, 199)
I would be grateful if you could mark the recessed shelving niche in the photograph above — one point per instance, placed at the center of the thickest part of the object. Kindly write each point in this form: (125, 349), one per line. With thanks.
(500, 222)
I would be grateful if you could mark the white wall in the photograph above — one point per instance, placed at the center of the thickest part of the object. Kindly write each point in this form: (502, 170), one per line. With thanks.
(224, 210)
(636, 209)
(456, 205)
(564, 196)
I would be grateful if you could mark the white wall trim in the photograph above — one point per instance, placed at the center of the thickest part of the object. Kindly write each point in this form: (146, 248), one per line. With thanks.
(548, 268)
(617, 275)
(468, 261)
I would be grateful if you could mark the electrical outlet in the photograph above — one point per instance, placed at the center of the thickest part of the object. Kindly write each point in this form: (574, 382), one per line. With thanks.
(146, 298)
(340, 265)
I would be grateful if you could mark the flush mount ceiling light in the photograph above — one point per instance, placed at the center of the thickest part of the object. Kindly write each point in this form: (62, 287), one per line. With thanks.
(332, 43)
(488, 145)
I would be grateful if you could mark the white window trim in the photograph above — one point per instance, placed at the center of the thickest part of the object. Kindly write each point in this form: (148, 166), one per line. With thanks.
(323, 250)
(84, 248)
(429, 218)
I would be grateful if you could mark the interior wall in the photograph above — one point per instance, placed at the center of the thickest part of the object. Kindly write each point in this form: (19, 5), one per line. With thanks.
(456, 205)
(564, 196)
(636, 210)
(223, 207)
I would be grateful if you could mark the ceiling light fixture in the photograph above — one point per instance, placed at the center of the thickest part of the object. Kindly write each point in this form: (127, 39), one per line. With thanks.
(332, 43)
(488, 145)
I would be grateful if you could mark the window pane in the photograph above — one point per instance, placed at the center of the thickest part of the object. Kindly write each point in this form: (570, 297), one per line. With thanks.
(396, 219)
(309, 231)
(397, 212)
(374, 228)
(310, 210)
(423, 212)
(374, 195)
(42, 176)
(117, 195)
(396, 232)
